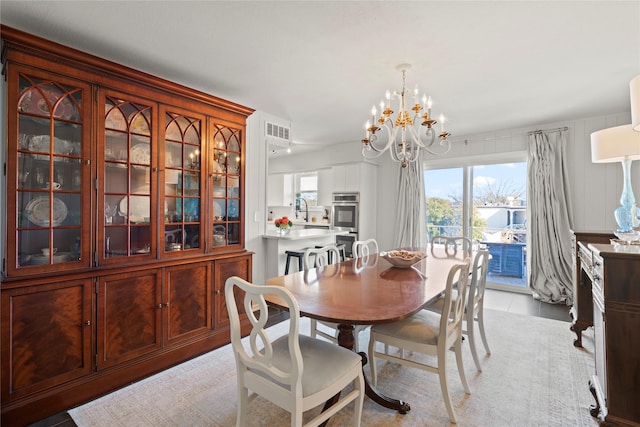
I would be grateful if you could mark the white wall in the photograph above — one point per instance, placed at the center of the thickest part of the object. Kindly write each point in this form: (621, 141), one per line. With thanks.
(595, 188)
(255, 192)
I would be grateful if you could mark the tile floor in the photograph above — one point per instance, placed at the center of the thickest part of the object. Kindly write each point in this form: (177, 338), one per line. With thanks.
(523, 303)
(494, 299)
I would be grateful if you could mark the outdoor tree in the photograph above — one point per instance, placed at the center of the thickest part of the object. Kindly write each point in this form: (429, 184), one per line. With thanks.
(444, 216)
(497, 193)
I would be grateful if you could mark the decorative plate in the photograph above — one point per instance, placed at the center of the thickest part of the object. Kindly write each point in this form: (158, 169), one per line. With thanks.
(218, 214)
(41, 143)
(37, 211)
(141, 153)
(140, 208)
(33, 102)
(403, 258)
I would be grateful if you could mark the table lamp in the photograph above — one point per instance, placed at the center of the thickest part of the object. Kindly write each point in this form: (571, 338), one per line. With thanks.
(619, 144)
(634, 89)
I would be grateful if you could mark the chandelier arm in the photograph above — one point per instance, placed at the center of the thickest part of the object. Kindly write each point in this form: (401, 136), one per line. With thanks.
(369, 153)
(445, 143)
(387, 144)
(426, 145)
(373, 150)
(397, 151)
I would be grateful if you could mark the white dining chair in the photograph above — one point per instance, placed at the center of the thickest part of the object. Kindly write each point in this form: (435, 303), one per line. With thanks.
(452, 244)
(428, 333)
(474, 310)
(295, 372)
(363, 248)
(319, 257)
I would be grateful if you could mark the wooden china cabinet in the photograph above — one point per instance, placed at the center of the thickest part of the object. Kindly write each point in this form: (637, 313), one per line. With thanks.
(125, 216)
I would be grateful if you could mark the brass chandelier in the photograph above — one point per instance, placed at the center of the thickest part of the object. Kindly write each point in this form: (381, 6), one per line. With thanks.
(404, 139)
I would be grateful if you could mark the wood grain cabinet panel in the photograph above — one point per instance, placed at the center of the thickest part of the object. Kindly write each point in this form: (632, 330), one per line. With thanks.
(129, 314)
(189, 308)
(46, 336)
(223, 269)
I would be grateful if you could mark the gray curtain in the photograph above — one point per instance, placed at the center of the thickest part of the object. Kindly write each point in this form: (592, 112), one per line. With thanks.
(411, 224)
(550, 218)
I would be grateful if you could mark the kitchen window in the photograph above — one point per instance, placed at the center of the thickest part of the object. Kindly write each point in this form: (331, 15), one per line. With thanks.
(307, 187)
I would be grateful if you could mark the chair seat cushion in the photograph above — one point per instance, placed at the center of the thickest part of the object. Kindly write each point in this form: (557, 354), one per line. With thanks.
(324, 362)
(422, 327)
(438, 304)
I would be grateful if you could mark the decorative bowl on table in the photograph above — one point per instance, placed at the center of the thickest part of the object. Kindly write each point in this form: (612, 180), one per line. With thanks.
(403, 258)
(630, 237)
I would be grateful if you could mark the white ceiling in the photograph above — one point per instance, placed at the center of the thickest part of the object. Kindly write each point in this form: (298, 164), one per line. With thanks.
(321, 65)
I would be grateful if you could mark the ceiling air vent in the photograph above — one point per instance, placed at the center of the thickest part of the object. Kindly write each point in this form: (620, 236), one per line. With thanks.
(277, 135)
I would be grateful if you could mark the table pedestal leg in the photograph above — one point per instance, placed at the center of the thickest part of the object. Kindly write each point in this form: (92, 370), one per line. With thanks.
(346, 339)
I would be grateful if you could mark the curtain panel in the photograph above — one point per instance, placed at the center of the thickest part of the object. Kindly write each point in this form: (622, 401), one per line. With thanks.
(411, 226)
(550, 217)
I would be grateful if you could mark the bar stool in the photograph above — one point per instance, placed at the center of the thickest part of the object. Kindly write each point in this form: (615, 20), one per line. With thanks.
(294, 254)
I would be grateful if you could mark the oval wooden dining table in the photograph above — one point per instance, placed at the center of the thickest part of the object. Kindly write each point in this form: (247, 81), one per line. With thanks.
(367, 291)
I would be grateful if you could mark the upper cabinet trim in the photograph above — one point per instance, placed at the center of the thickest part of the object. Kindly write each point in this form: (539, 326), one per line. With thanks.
(21, 42)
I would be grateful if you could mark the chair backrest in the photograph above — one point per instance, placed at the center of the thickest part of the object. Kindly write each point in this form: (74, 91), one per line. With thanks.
(255, 360)
(478, 277)
(452, 244)
(363, 248)
(319, 257)
(453, 309)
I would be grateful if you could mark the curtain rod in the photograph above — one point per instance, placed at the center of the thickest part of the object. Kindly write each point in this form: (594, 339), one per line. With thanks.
(548, 130)
(511, 135)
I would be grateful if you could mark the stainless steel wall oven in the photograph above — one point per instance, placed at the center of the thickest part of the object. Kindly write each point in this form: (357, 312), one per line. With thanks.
(345, 217)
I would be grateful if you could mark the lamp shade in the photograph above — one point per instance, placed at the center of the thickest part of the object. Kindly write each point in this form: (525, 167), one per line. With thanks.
(615, 144)
(634, 89)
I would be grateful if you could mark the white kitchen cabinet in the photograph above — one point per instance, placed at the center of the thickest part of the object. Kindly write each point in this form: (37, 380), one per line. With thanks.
(346, 177)
(325, 186)
(280, 189)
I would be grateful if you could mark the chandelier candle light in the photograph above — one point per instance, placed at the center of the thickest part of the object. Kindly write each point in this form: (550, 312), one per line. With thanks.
(404, 138)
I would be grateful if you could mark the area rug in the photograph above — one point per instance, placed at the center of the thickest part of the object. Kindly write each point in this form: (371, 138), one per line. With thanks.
(533, 377)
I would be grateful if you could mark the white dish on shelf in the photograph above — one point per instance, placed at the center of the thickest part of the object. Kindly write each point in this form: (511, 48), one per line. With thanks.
(140, 208)
(141, 153)
(42, 144)
(217, 209)
(38, 211)
(42, 259)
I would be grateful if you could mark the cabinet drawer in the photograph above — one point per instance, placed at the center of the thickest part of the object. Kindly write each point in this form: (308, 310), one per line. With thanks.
(597, 277)
(586, 260)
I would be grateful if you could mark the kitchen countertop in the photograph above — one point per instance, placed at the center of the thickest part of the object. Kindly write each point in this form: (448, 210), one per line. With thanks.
(300, 234)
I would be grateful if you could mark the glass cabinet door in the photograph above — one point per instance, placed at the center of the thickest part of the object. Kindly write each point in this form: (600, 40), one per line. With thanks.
(127, 200)
(226, 169)
(181, 179)
(48, 139)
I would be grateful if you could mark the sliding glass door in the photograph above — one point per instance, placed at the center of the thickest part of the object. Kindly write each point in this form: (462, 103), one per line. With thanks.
(487, 203)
